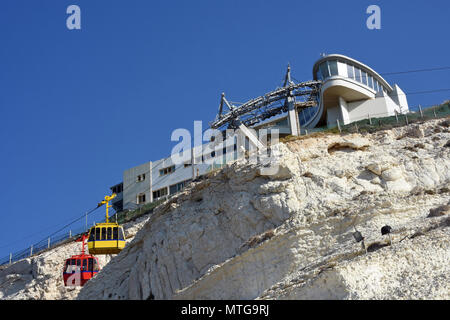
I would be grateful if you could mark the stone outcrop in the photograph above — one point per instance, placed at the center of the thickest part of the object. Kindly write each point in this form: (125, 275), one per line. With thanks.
(240, 234)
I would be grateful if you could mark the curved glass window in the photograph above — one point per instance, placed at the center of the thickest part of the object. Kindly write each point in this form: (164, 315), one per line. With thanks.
(324, 70)
(330, 68)
(357, 75)
(333, 67)
(319, 75)
(306, 114)
(371, 81)
(350, 72)
(364, 77)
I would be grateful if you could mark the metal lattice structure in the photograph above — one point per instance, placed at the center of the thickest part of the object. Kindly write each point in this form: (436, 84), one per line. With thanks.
(290, 96)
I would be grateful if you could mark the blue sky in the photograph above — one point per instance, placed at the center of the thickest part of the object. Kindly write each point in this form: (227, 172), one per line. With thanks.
(77, 107)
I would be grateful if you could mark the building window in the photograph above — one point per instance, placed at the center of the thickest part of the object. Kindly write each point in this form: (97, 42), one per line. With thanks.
(141, 177)
(364, 77)
(159, 193)
(370, 82)
(377, 87)
(318, 75)
(117, 189)
(141, 198)
(357, 75)
(324, 70)
(333, 67)
(178, 187)
(167, 170)
(350, 72)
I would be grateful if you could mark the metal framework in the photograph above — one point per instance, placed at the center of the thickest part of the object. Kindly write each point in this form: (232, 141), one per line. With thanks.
(291, 97)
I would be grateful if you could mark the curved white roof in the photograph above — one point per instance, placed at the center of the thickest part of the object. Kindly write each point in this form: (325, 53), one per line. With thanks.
(360, 65)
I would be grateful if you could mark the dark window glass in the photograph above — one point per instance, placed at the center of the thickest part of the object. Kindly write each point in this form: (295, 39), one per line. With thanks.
(109, 233)
(121, 235)
(66, 265)
(319, 75)
(73, 262)
(90, 264)
(78, 262)
(333, 67)
(96, 268)
(97, 233)
(91, 234)
(84, 264)
(141, 198)
(103, 233)
(324, 70)
(115, 233)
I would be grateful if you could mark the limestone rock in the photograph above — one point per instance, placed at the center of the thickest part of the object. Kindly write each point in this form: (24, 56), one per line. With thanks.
(439, 211)
(246, 234)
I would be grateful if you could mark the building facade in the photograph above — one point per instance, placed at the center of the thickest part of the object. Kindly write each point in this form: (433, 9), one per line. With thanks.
(351, 91)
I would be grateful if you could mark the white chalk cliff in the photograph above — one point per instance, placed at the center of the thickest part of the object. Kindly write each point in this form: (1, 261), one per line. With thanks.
(243, 235)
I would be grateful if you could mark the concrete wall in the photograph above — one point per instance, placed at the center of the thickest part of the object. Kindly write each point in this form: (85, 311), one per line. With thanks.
(132, 187)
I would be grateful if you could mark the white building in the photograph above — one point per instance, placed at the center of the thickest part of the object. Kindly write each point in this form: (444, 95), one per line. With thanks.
(351, 91)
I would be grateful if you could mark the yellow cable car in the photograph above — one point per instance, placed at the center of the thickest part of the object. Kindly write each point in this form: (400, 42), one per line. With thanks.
(106, 237)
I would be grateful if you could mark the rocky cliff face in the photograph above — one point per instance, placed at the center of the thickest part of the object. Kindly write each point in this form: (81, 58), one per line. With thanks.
(243, 235)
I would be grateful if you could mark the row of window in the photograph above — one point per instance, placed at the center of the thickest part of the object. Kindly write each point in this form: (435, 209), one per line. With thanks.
(117, 189)
(167, 170)
(363, 77)
(164, 191)
(159, 193)
(171, 169)
(331, 68)
(106, 233)
(178, 187)
(85, 264)
(162, 172)
(213, 154)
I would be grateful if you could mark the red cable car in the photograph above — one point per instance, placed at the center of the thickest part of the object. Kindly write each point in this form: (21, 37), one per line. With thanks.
(80, 268)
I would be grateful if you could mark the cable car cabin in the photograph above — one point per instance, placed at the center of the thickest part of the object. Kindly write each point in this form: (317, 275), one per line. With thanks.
(79, 269)
(106, 238)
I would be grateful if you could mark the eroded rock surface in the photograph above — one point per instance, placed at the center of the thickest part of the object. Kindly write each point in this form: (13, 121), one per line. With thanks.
(241, 234)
